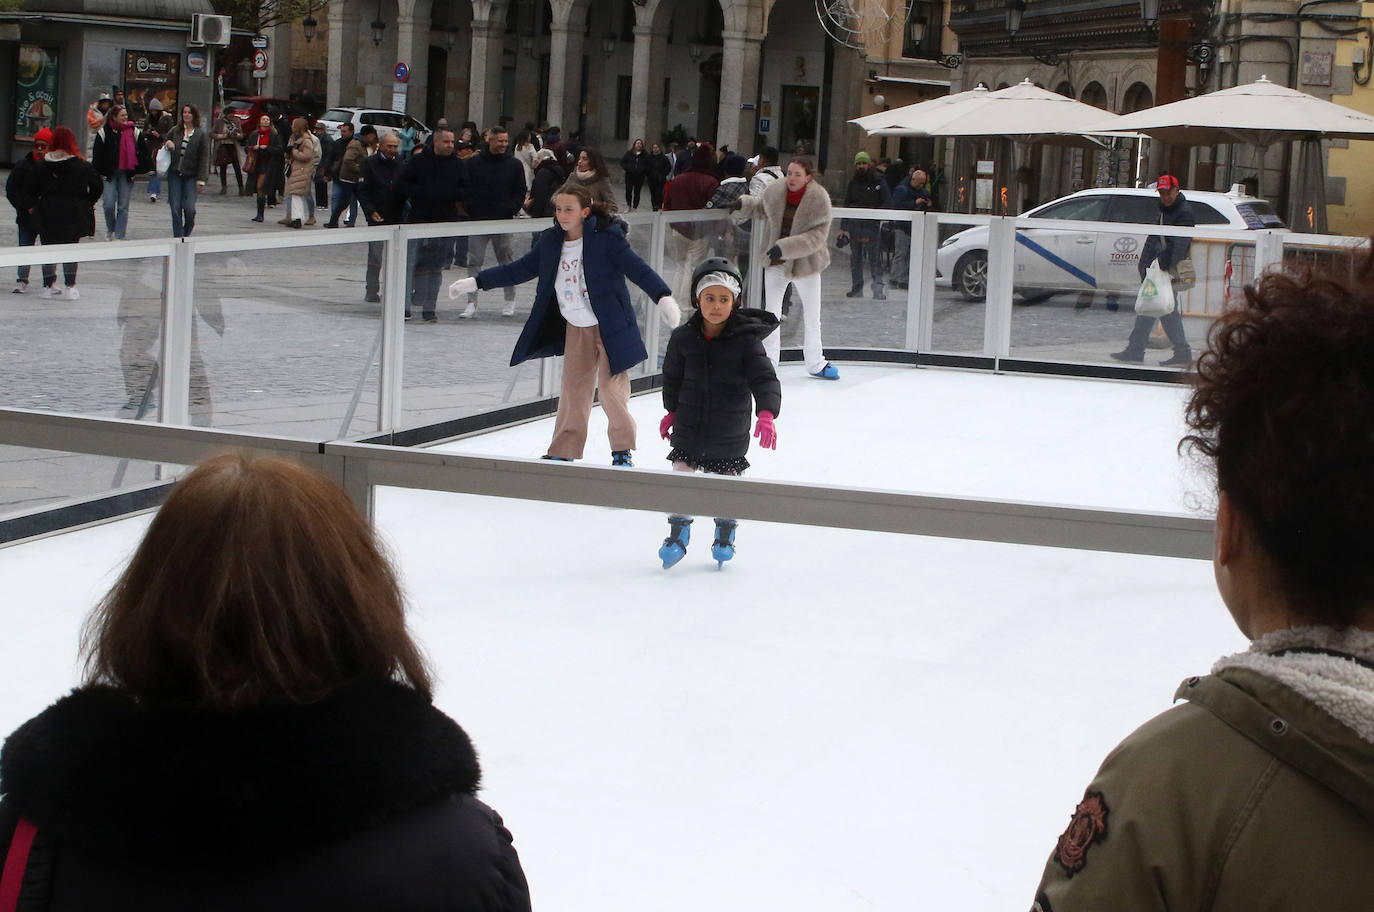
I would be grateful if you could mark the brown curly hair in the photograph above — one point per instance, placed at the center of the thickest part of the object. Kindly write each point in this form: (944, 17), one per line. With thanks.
(1283, 408)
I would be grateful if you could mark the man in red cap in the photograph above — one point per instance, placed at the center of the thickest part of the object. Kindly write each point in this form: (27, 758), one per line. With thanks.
(21, 191)
(1173, 210)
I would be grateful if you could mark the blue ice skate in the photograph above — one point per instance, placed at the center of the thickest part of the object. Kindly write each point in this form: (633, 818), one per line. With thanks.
(723, 548)
(829, 372)
(621, 458)
(674, 547)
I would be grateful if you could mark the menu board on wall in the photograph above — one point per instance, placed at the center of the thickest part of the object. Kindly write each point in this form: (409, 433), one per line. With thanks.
(36, 95)
(149, 75)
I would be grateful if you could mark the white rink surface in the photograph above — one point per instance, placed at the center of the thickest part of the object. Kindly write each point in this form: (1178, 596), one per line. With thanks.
(838, 720)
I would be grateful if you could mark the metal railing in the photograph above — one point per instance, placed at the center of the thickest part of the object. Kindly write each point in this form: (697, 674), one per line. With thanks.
(363, 468)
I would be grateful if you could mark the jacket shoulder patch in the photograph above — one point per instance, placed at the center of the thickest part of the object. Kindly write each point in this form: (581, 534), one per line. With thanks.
(1087, 827)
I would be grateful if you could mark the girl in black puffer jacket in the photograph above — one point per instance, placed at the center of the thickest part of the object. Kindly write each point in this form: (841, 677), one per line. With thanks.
(715, 365)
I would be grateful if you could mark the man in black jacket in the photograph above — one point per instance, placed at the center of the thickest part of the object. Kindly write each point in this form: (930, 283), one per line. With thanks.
(496, 190)
(382, 203)
(22, 191)
(435, 184)
(1173, 210)
(866, 190)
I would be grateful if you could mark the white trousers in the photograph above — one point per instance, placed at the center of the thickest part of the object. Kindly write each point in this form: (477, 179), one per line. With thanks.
(809, 291)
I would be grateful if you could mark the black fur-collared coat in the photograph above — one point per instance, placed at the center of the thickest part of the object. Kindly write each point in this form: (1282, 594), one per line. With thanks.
(362, 800)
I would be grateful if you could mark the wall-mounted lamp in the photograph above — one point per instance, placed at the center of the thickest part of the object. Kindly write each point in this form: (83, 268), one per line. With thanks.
(1015, 9)
(308, 25)
(916, 29)
(694, 51)
(451, 37)
(608, 45)
(1149, 11)
(880, 100)
(378, 27)
(527, 45)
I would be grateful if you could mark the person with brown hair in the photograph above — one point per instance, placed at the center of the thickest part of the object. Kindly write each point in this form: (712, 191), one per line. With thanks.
(256, 729)
(263, 160)
(190, 169)
(1258, 792)
(582, 311)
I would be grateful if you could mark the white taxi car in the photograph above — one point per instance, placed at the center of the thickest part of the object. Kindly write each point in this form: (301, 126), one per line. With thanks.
(383, 120)
(1049, 261)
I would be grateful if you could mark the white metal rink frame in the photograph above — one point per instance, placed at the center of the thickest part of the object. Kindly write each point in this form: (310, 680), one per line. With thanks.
(179, 258)
(362, 468)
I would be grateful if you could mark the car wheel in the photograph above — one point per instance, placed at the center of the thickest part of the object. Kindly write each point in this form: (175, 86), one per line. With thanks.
(971, 275)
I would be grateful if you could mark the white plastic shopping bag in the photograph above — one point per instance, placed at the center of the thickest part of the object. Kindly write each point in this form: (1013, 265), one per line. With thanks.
(1156, 295)
(164, 160)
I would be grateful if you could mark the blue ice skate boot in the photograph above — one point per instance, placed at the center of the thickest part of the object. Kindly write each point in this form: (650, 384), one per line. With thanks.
(621, 458)
(674, 547)
(829, 372)
(723, 548)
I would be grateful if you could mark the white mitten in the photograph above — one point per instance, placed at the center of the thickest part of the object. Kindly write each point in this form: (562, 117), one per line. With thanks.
(667, 306)
(462, 287)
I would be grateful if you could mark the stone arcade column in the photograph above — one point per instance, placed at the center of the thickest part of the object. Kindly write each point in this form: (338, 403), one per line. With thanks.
(646, 89)
(412, 46)
(739, 84)
(565, 76)
(484, 90)
(342, 75)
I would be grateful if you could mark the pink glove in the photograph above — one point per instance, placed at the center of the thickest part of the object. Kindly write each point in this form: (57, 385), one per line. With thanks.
(764, 431)
(665, 426)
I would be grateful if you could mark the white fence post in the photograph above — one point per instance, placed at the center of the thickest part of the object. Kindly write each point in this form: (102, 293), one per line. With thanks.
(1001, 268)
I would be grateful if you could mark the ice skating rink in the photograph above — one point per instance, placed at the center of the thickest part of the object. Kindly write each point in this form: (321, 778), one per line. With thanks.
(837, 720)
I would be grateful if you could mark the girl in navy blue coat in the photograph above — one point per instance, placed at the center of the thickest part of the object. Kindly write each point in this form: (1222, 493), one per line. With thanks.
(582, 311)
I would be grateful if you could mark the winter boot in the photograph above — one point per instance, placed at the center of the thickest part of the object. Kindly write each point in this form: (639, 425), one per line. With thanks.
(262, 203)
(621, 458)
(674, 547)
(723, 548)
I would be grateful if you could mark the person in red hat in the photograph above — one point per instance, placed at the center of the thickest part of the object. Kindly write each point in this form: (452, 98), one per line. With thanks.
(21, 189)
(1173, 210)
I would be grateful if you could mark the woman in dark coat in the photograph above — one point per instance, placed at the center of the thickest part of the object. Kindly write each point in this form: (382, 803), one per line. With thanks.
(635, 163)
(265, 148)
(257, 730)
(66, 188)
(548, 177)
(656, 172)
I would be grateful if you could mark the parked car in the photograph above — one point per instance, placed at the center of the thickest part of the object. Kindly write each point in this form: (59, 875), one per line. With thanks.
(249, 108)
(1049, 261)
(382, 119)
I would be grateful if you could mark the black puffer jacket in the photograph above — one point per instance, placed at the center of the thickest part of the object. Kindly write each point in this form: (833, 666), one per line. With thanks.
(709, 382)
(362, 800)
(67, 190)
(496, 186)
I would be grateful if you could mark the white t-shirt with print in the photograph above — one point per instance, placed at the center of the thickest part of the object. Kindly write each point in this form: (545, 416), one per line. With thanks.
(571, 286)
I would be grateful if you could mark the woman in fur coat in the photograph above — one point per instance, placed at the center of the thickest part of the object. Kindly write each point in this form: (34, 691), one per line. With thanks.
(796, 214)
(256, 731)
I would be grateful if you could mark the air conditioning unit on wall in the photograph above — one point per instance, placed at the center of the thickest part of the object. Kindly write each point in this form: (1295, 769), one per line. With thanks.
(210, 29)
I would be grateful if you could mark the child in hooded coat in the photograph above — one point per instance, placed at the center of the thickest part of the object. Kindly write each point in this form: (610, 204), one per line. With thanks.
(716, 375)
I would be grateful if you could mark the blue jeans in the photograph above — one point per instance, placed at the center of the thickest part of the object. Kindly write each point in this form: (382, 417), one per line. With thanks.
(181, 196)
(28, 236)
(345, 196)
(155, 184)
(118, 189)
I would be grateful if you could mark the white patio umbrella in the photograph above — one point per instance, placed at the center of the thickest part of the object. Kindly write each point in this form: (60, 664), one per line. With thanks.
(1024, 112)
(1259, 113)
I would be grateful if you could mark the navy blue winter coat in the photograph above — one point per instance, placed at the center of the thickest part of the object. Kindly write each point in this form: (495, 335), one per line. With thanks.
(607, 261)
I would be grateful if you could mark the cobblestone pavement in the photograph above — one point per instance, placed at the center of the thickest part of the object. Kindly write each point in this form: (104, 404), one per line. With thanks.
(284, 342)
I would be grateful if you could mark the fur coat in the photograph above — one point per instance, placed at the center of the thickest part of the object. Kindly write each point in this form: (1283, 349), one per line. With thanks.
(805, 250)
(364, 799)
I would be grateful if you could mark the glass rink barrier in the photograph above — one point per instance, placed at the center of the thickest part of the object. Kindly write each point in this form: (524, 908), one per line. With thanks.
(305, 334)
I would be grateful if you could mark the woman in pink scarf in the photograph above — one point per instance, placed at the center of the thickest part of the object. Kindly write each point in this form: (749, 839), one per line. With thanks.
(115, 158)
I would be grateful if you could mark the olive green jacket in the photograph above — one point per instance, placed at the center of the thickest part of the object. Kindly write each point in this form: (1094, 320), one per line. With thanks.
(1251, 796)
